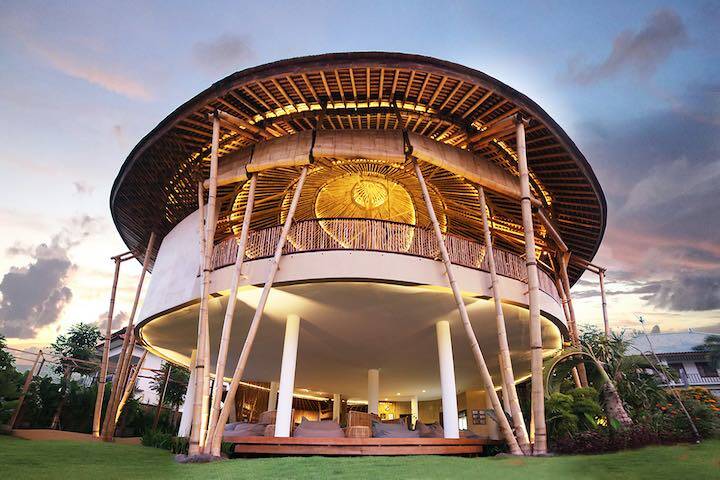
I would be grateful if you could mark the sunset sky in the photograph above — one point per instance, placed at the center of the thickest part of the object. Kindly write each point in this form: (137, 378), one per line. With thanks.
(635, 84)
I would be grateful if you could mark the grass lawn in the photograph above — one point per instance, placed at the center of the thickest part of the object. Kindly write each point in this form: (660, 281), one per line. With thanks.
(24, 459)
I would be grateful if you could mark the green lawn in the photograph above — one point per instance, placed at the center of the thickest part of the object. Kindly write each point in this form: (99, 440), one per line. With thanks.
(24, 459)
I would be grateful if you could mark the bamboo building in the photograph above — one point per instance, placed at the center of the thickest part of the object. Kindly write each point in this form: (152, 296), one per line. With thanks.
(376, 229)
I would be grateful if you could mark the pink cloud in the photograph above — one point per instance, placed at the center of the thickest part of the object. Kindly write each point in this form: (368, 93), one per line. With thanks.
(111, 81)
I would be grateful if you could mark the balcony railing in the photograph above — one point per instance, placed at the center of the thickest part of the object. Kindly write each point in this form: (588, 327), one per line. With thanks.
(380, 236)
(693, 379)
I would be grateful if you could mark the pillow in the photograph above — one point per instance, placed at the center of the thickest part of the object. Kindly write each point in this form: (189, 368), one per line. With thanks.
(392, 430)
(248, 430)
(396, 420)
(433, 430)
(267, 417)
(318, 429)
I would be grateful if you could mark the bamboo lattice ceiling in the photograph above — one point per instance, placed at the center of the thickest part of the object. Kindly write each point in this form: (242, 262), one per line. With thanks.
(449, 103)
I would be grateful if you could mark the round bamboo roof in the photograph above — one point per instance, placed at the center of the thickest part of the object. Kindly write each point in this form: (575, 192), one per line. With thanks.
(156, 186)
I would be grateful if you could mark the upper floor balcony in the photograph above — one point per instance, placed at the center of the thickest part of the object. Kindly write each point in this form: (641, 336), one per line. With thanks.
(316, 235)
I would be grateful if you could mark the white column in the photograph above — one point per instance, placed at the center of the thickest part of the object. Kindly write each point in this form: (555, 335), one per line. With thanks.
(287, 377)
(413, 411)
(187, 409)
(447, 380)
(373, 390)
(337, 407)
(272, 400)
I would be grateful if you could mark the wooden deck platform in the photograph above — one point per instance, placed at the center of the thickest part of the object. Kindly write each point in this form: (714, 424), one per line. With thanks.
(357, 446)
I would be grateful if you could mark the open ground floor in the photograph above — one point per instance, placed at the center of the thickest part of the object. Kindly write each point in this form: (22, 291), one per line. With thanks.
(91, 460)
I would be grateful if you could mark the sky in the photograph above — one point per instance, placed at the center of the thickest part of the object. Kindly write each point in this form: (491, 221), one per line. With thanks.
(635, 84)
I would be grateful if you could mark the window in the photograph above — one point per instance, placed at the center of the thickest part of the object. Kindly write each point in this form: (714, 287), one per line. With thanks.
(706, 370)
(678, 367)
(462, 420)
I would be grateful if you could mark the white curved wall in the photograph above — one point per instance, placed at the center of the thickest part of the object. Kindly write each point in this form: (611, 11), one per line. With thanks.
(175, 280)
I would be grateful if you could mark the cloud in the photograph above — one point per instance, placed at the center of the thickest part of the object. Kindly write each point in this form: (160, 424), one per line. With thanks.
(661, 175)
(222, 54)
(652, 191)
(639, 52)
(688, 293)
(118, 321)
(83, 188)
(34, 295)
(93, 73)
(642, 289)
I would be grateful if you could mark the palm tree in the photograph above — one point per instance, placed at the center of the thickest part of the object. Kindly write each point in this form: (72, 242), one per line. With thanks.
(711, 347)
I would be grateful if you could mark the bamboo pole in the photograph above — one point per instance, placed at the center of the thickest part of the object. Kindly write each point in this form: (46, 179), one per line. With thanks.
(575, 335)
(25, 388)
(536, 359)
(130, 386)
(207, 235)
(563, 301)
(122, 368)
(505, 388)
(472, 339)
(230, 310)
(102, 379)
(506, 365)
(198, 374)
(255, 324)
(606, 322)
(161, 400)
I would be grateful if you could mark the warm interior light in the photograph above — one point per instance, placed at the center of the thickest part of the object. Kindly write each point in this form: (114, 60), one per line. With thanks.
(369, 194)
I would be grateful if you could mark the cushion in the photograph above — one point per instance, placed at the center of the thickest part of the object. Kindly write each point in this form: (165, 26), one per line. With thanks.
(433, 430)
(396, 420)
(249, 430)
(319, 429)
(267, 417)
(468, 434)
(392, 430)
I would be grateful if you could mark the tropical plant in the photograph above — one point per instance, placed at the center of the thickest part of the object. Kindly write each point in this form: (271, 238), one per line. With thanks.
(78, 344)
(10, 381)
(567, 414)
(176, 387)
(711, 347)
(174, 391)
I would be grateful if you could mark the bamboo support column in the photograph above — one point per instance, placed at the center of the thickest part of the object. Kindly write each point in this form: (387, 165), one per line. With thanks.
(506, 366)
(474, 346)
(255, 324)
(102, 379)
(575, 336)
(207, 234)
(122, 367)
(25, 388)
(130, 386)
(536, 352)
(563, 299)
(161, 400)
(230, 310)
(606, 322)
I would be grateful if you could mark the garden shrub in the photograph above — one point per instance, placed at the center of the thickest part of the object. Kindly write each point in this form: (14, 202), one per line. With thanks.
(568, 414)
(157, 439)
